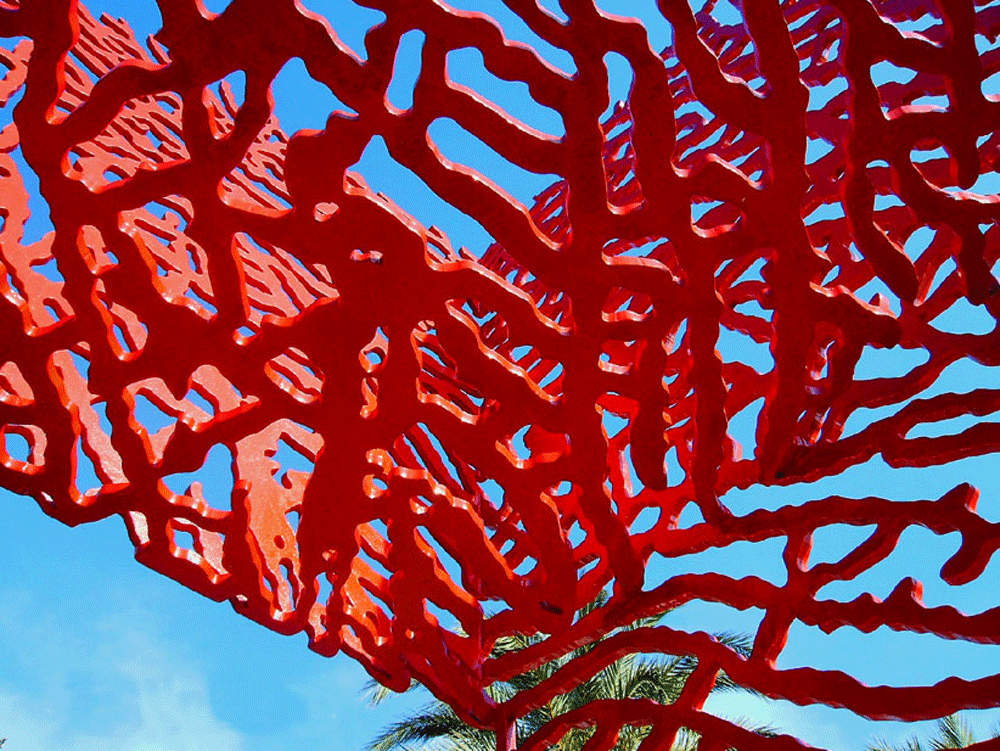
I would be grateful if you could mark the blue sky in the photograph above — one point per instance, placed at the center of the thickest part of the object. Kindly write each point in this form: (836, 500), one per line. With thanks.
(99, 652)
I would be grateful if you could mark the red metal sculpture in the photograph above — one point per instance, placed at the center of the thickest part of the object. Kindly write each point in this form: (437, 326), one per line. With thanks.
(247, 289)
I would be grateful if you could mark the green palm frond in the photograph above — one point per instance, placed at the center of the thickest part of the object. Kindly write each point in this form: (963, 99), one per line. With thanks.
(880, 744)
(529, 679)
(742, 644)
(590, 607)
(768, 731)
(687, 740)
(505, 645)
(500, 692)
(436, 722)
(660, 679)
(953, 732)
(375, 693)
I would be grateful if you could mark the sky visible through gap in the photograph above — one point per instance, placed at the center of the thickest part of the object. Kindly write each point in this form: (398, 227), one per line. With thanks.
(98, 652)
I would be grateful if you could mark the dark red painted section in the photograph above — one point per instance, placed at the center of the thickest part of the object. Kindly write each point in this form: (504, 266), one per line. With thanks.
(219, 284)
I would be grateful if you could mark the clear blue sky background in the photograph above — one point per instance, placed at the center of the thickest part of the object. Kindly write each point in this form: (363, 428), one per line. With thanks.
(98, 652)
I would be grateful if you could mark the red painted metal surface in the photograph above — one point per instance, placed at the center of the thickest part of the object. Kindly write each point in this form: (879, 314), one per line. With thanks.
(219, 285)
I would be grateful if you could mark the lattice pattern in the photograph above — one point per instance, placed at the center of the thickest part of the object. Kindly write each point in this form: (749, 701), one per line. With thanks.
(220, 287)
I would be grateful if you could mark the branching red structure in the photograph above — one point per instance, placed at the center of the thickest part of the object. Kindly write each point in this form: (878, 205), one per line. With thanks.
(247, 289)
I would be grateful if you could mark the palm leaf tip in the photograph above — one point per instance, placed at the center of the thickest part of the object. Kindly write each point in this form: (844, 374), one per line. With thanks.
(880, 744)
(633, 676)
(953, 732)
(432, 723)
(374, 693)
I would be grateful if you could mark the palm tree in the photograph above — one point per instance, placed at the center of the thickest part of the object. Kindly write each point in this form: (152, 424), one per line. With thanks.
(952, 732)
(631, 677)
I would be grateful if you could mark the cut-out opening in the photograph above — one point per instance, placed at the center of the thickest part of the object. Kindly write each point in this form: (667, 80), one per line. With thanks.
(612, 423)
(48, 268)
(150, 416)
(986, 184)
(743, 428)
(526, 566)
(820, 96)
(755, 309)
(962, 317)
(388, 177)
(442, 454)
(229, 93)
(877, 293)
(658, 250)
(737, 560)
(447, 561)
(465, 66)
(85, 476)
(533, 444)
(690, 516)
(702, 139)
(990, 87)
(493, 492)
(897, 88)
(942, 272)
(831, 542)
(406, 70)
(850, 650)
(280, 285)
(620, 80)
(675, 472)
(949, 426)
(206, 308)
(290, 459)
(350, 22)
(182, 539)
(816, 149)
(198, 400)
(143, 16)
(711, 217)
(923, 21)
(918, 241)
(212, 482)
(824, 212)
(625, 305)
(376, 565)
(39, 220)
(460, 146)
(727, 14)
(445, 618)
(717, 617)
(16, 446)
(738, 346)
(646, 520)
(296, 374)
(515, 29)
(887, 72)
(301, 102)
(889, 362)
(927, 152)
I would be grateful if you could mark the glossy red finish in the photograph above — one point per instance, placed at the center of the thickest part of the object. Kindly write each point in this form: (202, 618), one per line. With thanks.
(218, 284)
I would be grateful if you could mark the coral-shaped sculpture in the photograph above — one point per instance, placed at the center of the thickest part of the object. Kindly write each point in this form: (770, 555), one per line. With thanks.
(413, 429)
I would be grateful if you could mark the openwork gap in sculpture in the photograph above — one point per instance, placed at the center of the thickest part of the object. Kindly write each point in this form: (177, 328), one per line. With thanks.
(212, 283)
